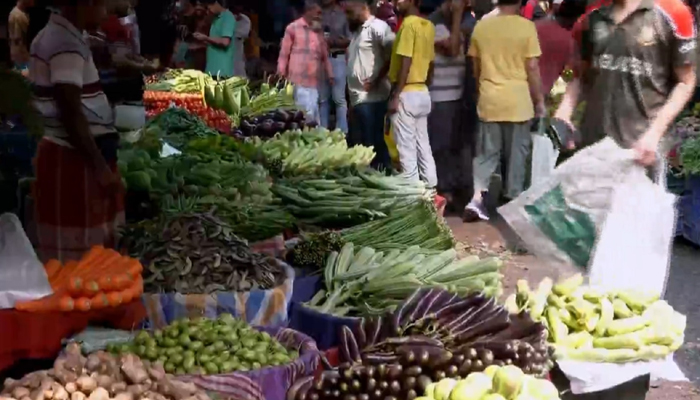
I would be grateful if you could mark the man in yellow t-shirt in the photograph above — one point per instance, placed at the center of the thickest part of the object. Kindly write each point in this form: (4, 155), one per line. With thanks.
(505, 52)
(18, 25)
(410, 71)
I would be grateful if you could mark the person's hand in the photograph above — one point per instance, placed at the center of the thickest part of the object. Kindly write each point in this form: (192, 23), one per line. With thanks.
(368, 85)
(331, 81)
(199, 36)
(540, 110)
(393, 104)
(646, 147)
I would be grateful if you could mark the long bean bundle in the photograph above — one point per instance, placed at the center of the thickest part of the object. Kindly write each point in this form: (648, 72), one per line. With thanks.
(417, 225)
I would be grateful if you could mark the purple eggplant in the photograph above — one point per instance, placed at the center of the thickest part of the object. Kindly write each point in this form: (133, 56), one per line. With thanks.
(378, 359)
(443, 299)
(394, 371)
(471, 315)
(424, 355)
(301, 385)
(459, 307)
(373, 328)
(395, 387)
(414, 340)
(404, 310)
(359, 332)
(493, 324)
(348, 345)
(298, 116)
(424, 298)
(452, 371)
(352, 341)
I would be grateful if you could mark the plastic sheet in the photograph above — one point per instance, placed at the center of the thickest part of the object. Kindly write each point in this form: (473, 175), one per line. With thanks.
(269, 383)
(93, 339)
(323, 328)
(22, 276)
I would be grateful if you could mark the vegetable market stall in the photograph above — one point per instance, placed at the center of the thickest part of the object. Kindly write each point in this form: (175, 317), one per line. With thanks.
(40, 335)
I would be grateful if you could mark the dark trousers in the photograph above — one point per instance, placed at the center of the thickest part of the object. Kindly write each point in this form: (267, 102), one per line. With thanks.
(367, 128)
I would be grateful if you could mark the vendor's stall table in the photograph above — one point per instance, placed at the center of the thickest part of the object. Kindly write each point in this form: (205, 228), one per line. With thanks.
(39, 335)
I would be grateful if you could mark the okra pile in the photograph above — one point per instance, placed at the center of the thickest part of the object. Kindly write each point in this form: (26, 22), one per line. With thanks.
(361, 281)
(586, 324)
(432, 335)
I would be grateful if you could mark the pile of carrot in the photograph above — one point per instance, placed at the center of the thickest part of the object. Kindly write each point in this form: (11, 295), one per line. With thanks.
(102, 278)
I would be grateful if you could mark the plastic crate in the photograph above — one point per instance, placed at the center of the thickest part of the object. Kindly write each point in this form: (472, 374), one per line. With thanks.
(689, 211)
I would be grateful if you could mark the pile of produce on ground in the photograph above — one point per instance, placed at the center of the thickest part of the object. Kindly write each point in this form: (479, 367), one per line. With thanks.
(158, 102)
(431, 336)
(101, 376)
(365, 281)
(495, 383)
(349, 200)
(198, 253)
(102, 278)
(208, 346)
(417, 225)
(586, 324)
(311, 151)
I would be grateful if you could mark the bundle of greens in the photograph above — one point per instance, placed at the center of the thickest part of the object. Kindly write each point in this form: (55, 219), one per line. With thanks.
(179, 126)
(348, 201)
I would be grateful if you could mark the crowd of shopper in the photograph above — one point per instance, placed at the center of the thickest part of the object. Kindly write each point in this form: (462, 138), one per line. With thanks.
(463, 89)
(457, 90)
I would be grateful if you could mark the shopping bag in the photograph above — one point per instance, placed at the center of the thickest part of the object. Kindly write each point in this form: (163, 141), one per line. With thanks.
(391, 144)
(634, 247)
(561, 218)
(544, 155)
(22, 276)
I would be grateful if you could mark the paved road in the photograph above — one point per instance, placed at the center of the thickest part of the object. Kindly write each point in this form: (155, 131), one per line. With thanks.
(683, 293)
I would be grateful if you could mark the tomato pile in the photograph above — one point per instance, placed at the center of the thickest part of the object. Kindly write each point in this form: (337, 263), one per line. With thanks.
(156, 102)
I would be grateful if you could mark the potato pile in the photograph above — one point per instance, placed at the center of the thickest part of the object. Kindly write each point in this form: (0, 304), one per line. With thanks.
(100, 376)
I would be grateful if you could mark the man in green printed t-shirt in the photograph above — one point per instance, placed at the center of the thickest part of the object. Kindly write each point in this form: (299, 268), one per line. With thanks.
(220, 40)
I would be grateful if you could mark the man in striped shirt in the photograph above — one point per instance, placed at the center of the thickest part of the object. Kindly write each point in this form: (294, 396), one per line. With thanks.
(78, 192)
(444, 122)
(303, 59)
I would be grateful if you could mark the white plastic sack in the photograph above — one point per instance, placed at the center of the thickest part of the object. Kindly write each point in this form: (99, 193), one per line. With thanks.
(559, 219)
(22, 276)
(585, 377)
(544, 158)
(634, 248)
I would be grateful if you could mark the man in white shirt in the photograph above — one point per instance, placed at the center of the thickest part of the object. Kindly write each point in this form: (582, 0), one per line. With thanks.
(369, 54)
(240, 35)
